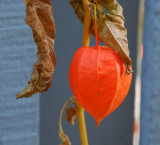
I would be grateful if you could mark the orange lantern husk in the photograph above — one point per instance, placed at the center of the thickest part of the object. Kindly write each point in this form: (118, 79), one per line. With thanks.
(98, 79)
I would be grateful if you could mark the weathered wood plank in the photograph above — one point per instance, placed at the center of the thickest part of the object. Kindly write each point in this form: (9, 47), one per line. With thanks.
(150, 110)
(19, 119)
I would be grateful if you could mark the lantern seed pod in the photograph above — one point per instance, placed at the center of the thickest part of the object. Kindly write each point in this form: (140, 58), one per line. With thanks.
(98, 80)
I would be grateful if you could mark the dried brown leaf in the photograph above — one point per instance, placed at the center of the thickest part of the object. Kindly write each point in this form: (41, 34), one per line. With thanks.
(71, 113)
(111, 29)
(26, 1)
(66, 142)
(39, 18)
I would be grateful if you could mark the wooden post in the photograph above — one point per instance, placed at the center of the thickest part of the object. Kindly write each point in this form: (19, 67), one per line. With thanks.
(150, 110)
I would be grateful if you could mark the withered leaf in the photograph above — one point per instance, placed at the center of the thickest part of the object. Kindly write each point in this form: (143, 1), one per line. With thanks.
(67, 142)
(71, 113)
(39, 18)
(111, 29)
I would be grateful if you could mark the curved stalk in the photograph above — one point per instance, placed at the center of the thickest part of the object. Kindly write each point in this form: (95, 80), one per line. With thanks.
(62, 135)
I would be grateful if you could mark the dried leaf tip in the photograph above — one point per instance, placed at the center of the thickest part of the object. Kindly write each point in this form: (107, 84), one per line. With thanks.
(39, 18)
(71, 114)
(67, 142)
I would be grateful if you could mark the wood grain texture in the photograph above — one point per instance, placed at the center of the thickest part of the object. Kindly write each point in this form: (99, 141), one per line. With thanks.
(150, 110)
(19, 119)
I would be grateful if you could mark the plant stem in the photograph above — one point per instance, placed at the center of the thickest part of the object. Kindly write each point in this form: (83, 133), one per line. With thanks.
(82, 124)
(86, 41)
(87, 22)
